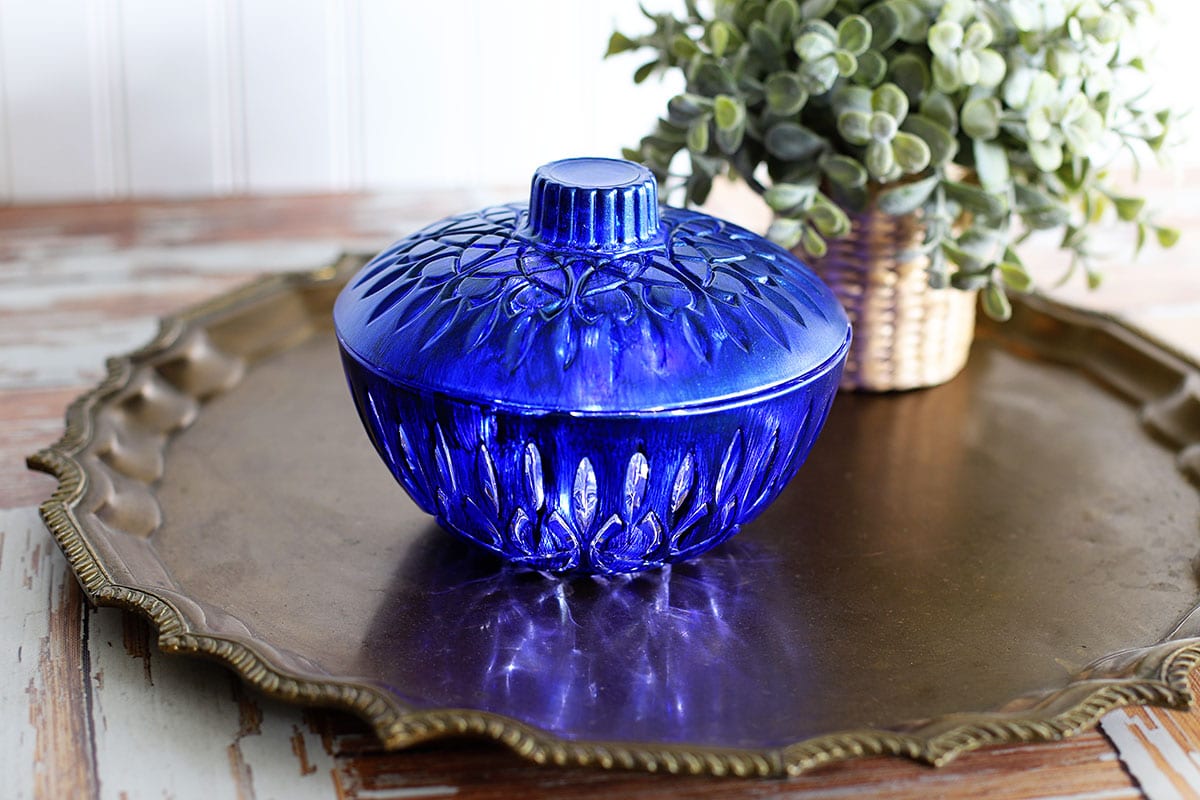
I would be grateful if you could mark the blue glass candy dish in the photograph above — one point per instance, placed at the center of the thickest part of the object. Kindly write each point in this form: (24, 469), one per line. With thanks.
(591, 382)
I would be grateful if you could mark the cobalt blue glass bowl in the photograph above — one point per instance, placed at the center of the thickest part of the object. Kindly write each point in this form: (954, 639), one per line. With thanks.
(591, 382)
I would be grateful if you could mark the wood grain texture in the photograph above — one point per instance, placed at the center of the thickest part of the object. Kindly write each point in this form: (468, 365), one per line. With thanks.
(86, 691)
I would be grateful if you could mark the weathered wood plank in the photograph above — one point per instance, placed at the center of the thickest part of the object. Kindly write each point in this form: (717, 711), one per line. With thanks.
(46, 741)
(1160, 748)
(32, 419)
(1078, 769)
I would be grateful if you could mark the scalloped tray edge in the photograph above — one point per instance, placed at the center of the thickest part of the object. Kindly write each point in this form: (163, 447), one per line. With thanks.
(1153, 676)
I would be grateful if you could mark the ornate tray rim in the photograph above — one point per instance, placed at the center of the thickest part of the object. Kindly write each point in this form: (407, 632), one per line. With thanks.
(1159, 673)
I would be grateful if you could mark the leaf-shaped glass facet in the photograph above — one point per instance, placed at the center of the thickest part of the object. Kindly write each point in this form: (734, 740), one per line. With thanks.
(583, 495)
(731, 465)
(619, 545)
(531, 470)
(636, 476)
(443, 460)
(523, 533)
(558, 545)
(486, 469)
(682, 486)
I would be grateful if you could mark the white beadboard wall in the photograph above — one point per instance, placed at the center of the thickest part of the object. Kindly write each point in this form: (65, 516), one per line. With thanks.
(148, 98)
(144, 98)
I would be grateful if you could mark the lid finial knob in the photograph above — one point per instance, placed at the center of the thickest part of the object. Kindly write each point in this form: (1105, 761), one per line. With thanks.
(603, 204)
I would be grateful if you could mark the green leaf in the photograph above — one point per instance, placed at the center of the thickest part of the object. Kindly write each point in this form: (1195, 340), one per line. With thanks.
(765, 44)
(717, 37)
(1048, 156)
(872, 68)
(940, 108)
(890, 99)
(1015, 277)
(820, 27)
(991, 165)
(995, 303)
(729, 140)
(697, 138)
(813, 47)
(978, 35)
(945, 38)
(683, 48)
(812, 243)
(792, 142)
(981, 118)
(911, 74)
(1129, 208)
(912, 154)
(848, 97)
(1073, 238)
(970, 281)
(1038, 210)
(785, 95)
(668, 133)
(828, 218)
(914, 24)
(817, 77)
(684, 108)
(1030, 198)
(946, 76)
(784, 197)
(882, 126)
(851, 198)
(644, 71)
(942, 145)
(880, 160)
(855, 127)
(847, 64)
(885, 25)
(905, 198)
(781, 16)
(728, 111)
(854, 34)
(811, 9)
(966, 260)
(751, 91)
(711, 79)
(785, 232)
(619, 43)
(844, 171)
(1167, 237)
(698, 187)
(974, 199)
(980, 241)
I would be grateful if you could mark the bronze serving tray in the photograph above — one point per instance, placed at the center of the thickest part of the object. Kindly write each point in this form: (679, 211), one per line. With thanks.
(1006, 557)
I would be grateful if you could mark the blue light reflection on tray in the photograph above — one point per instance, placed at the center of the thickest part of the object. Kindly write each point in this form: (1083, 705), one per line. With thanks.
(650, 655)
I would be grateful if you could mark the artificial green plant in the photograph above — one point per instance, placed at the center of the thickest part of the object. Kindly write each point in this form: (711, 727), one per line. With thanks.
(990, 118)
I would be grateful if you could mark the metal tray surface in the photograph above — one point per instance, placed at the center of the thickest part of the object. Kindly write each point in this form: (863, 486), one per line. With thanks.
(1002, 558)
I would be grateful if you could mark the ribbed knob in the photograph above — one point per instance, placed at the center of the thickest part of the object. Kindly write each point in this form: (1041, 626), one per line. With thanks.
(593, 204)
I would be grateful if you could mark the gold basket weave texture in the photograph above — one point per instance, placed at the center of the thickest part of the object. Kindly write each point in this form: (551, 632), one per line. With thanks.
(906, 334)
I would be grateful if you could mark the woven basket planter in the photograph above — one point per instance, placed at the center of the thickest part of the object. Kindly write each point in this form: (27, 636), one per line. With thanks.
(906, 335)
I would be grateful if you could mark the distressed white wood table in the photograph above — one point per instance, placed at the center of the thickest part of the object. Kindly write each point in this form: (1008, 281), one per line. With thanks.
(90, 708)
